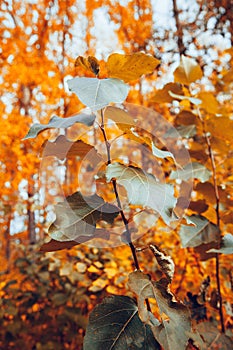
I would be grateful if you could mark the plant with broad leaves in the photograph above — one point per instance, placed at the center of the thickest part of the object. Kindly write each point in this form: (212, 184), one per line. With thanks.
(120, 322)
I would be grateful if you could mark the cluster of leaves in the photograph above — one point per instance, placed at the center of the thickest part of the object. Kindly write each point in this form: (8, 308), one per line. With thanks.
(81, 218)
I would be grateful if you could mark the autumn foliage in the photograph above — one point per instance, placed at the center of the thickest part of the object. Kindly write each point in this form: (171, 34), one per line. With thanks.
(116, 191)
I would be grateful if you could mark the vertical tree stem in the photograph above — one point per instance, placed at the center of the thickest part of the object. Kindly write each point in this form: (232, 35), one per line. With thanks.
(217, 262)
(114, 183)
(124, 219)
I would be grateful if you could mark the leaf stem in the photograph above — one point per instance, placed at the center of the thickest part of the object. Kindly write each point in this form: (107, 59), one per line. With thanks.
(217, 200)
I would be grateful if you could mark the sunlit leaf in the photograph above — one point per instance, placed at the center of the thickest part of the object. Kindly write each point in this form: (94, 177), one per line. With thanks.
(226, 245)
(172, 332)
(163, 95)
(193, 170)
(122, 119)
(202, 231)
(115, 324)
(130, 67)
(220, 127)
(188, 71)
(60, 123)
(143, 189)
(208, 102)
(98, 93)
(77, 216)
(63, 148)
(90, 63)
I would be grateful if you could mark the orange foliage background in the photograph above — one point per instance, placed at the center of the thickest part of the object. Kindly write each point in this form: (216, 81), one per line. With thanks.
(45, 298)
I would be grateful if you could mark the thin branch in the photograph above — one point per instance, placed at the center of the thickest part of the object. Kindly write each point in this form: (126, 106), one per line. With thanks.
(217, 201)
(180, 42)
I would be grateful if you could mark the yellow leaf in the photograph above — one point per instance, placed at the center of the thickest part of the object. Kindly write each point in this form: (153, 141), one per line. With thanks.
(130, 67)
(93, 269)
(90, 63)
(122, 119)
(209, 102)
(111, 272)
(98, 285)
(112, 289)
(188, 71)
(220, 127)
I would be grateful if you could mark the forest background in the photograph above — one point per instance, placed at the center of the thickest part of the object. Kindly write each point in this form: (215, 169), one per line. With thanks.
(46, 297)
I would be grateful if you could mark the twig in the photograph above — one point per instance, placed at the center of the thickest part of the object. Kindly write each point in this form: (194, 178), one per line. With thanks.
(217, 262)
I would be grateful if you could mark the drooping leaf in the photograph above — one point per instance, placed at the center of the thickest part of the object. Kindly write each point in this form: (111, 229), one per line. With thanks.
(63, 148)
(115, 325)
(90, 63)
(60, 123)
(77, 216)
(165, 262)
(98, 93)
(193, 170)
(188, 71)
(161, 154)
(143, 189)
(226, 245)
(202, 231)
(172, 332)
(194, 101)
(122, 119)
(163, 94)
(130, 67)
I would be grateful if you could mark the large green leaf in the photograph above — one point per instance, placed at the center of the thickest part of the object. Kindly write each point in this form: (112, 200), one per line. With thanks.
(202, 231)
(115, 325)
(143, 189)
(193, 170)
(226, 245)
(77, 217)
(98, 93)
(174, 330)
(60, 123)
